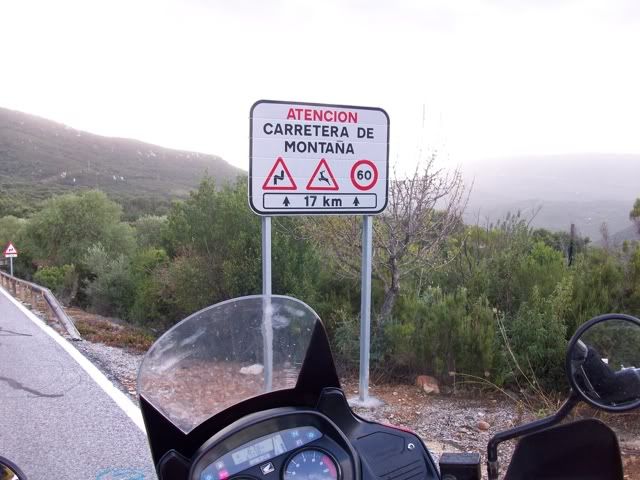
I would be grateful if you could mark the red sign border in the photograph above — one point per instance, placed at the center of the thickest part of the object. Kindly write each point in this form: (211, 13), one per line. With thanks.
(6, 255)
(375, 175)
(266, 186)
(315, 172)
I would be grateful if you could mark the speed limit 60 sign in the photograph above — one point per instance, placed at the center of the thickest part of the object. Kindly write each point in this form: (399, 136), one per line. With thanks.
(312, 158)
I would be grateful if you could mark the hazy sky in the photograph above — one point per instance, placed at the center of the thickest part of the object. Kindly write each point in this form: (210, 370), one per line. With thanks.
(495, 77)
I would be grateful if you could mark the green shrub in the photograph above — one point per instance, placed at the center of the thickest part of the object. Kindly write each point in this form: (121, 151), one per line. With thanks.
(633, 302)
(598, 286)
(346, 343)
(173, 291)
(62, 281)
(536, 335)
(110, 286)
(439, 332)
(150, 231)
(68, 225)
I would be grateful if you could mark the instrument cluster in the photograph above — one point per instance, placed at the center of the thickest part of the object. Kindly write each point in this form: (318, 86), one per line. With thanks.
(297, 446)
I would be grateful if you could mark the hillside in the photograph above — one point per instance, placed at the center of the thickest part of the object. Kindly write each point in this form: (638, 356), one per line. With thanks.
(39, 158)
(586, 189)
(628, 234)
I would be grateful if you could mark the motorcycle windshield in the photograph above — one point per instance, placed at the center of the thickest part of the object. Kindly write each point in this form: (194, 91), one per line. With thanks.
(225, 354)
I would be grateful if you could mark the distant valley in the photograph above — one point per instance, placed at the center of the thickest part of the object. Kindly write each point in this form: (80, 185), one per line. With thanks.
(586, 190)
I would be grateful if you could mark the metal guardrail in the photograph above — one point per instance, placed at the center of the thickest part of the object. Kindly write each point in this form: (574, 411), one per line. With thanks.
(38, 295)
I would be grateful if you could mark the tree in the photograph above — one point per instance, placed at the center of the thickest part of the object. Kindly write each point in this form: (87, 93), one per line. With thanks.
(215, 238)
(150, 230)
(424, 210)
(564, 242)
(634, 215)
(110, 288)
(504, 261)
(67, 225)
(10, 228)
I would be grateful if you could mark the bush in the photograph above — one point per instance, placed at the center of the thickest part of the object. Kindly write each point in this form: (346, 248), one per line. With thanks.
(346, 343)
(598, 286)
(536, 336)
(62, 281)
(150, 231)
(172, 291)
(439, 332)
(68, 225)
(633, 302)
(110, 286)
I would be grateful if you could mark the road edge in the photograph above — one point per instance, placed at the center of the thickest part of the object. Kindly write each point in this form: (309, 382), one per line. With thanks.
(125, 404)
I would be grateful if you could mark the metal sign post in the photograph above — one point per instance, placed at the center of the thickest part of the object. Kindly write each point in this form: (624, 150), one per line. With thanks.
(266, 256)
(365, 307)
(11, 266)
(267, 324)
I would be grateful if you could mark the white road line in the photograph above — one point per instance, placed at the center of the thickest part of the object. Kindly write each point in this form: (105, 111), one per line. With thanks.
(124, 402)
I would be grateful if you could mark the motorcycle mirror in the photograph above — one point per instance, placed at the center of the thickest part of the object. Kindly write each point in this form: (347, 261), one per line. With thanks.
(9, 471)
(603, 362)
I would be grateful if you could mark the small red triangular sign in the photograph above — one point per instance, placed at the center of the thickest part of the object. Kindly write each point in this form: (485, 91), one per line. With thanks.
(10, 250)
(279, 177)
(322, 178)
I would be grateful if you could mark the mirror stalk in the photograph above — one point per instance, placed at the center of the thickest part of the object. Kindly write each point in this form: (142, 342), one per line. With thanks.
(533, 427)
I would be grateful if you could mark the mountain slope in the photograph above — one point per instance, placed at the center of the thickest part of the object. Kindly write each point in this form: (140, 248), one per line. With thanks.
(39, 158)
(628, 234)
(586, 189)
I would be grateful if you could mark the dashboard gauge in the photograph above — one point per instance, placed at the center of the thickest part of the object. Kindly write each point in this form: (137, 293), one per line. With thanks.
(311, 464)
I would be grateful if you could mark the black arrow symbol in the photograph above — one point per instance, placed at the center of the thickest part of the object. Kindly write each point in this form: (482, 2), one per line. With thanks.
(286, 202)
(356, 202)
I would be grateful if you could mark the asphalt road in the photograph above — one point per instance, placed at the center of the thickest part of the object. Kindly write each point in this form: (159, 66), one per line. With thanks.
(56, 422)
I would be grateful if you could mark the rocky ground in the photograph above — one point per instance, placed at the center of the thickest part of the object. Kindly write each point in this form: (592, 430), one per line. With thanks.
(446, 423)
(119, 365)
(463, 422)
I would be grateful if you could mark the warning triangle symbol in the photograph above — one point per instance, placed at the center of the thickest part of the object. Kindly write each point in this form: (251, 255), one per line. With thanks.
(10, 250)
(279, 177)
(322, 178)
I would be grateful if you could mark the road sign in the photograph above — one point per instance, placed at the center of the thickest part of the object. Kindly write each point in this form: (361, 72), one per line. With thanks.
(364, 175)
(311, 158)
(322, 178)
(10, 251)
(279, 177)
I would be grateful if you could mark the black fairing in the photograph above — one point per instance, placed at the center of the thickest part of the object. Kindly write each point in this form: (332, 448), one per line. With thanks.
(317, 372)
(381, 448)
(582, 450)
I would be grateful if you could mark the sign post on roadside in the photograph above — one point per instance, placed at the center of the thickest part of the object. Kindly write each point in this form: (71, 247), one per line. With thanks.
(10, 252)
(319, 159)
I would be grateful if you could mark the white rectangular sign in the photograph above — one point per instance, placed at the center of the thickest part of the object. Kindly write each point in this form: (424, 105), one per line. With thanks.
(311, 158)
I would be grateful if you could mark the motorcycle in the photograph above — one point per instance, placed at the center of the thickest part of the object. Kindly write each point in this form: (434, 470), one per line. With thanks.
(248, 390)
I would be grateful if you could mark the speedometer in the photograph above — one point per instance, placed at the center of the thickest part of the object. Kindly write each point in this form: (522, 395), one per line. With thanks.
(311, 464)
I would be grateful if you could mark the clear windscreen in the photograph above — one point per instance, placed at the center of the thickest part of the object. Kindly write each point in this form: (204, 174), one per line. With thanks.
(225, 354)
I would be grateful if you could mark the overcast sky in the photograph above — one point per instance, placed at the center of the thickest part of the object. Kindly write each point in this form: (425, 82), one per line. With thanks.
(495, 77)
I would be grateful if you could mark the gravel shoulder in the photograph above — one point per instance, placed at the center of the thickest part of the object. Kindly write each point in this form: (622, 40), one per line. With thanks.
(120, 366)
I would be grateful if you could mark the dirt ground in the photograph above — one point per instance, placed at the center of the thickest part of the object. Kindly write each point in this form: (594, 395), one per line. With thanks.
(449, 423)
